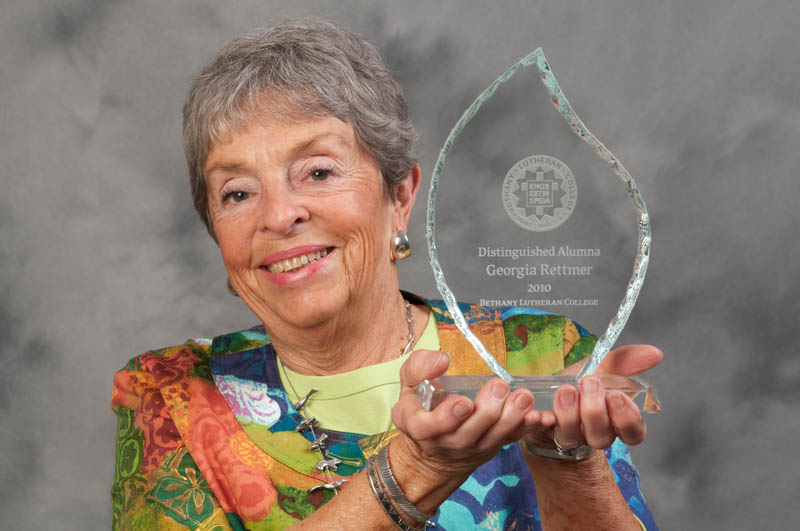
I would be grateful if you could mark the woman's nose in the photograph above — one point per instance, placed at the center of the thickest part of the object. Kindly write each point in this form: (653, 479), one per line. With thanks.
(281, 212)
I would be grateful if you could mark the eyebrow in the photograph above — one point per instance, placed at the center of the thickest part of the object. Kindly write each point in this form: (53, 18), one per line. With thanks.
(293, 151)
(305, 146)
(226, 167)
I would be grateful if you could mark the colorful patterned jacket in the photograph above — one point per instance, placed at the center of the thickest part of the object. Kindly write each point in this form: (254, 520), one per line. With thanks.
(206, 434)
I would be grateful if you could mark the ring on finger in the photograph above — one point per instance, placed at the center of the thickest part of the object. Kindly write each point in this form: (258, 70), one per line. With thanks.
(571, 454)
(559, 447)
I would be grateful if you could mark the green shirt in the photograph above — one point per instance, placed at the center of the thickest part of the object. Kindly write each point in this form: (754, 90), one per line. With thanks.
(357, 401)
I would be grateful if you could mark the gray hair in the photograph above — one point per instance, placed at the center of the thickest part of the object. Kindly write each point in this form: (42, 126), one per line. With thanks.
(303, 66)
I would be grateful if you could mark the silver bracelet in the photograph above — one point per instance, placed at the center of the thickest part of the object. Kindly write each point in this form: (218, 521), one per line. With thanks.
(399, 499)
(386, 505)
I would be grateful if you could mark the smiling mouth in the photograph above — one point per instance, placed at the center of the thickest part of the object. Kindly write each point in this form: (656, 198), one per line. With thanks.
(298, 262)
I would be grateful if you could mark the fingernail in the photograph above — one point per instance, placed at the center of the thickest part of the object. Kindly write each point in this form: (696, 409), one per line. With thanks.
(590, 385)
(567, 397)
(616, 402)
(499, 390)
(437, 360)
(523, 402)
(461, 410)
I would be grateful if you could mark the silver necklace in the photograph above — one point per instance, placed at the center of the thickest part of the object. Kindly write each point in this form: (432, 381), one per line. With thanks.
(329, 463)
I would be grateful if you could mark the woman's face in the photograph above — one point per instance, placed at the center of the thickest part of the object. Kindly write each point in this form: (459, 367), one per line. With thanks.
(301, 218)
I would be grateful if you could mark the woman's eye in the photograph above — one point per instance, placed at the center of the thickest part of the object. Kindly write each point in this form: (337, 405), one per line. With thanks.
(320, 174)
(236, 197)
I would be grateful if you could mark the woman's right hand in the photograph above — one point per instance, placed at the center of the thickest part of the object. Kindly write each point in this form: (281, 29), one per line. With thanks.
(458, 435)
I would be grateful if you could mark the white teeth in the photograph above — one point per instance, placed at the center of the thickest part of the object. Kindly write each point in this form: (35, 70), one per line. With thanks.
(296, 262)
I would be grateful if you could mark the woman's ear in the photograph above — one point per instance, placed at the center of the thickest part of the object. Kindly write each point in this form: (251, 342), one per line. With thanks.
(404, 196)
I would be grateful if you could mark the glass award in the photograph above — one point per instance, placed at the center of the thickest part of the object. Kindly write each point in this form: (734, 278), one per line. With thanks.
(530, 213)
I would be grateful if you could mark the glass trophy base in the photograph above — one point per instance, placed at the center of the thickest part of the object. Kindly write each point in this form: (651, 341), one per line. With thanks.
(433, 392)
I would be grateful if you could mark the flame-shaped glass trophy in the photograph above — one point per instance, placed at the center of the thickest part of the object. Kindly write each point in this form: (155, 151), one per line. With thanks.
(530, 213)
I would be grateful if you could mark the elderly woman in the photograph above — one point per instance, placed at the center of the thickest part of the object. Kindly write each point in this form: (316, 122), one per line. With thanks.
(301, 158)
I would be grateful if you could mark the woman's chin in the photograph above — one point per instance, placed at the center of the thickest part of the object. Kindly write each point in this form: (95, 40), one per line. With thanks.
(301, 309)
(307, 316)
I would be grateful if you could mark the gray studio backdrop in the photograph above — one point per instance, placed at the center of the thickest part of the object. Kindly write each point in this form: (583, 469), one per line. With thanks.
(103, 256)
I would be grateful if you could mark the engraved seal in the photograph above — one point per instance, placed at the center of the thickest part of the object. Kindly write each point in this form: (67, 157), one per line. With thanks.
(539, 193)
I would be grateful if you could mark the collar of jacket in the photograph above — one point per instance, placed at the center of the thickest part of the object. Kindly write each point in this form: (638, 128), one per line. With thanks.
(486, 323)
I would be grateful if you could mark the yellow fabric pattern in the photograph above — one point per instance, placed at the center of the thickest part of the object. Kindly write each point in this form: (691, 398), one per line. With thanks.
(487, 326)
(358, 401)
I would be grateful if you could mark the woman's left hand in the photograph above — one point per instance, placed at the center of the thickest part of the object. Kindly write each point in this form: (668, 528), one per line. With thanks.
(589, 415)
